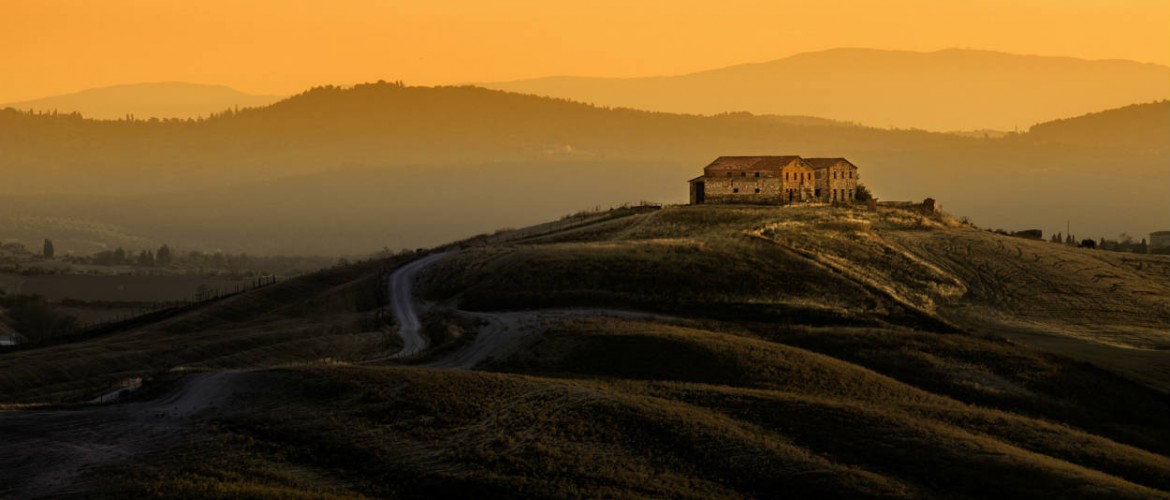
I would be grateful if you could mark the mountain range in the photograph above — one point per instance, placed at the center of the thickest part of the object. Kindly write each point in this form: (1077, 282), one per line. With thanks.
(147, 100)
(948, 90)
(350, 170)
(941, 91)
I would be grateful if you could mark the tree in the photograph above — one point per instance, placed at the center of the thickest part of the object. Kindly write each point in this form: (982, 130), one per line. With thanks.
(862, 193)
(119, 256)
(48, 249)
(145, 258)
(163, 256)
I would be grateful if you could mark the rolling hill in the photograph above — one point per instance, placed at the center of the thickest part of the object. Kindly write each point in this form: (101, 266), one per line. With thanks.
(338, 170)
(815, 350)
(146, 100)
(940, 91)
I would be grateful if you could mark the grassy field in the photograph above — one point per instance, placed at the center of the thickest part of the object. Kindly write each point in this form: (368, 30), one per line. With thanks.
(814, 351)
(409, 432)
(331, 314)
(116, 288)
(852, 266)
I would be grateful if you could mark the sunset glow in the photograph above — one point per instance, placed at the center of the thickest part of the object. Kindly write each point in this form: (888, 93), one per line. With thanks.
(282, 47)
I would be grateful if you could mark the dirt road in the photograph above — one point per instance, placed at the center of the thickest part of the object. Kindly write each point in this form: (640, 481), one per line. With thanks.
(55, 452)
(509, 332)
(401, 285)
(504, 334)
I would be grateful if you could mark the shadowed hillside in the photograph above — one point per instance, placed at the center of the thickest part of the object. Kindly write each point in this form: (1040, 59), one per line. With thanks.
(821, 351)
(350, 170)
(824, 265)
(816, 350)
(944, 90)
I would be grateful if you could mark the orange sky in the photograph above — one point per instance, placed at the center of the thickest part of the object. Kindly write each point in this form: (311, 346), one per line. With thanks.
(49, 47)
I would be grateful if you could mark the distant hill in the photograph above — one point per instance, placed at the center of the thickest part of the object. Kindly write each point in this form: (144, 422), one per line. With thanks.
(349, 170)
(147, 100)
(1139, 125)
(943, 90)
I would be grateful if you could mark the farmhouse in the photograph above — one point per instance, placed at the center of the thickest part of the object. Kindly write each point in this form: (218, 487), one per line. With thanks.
(775, 180)
(1159, 242)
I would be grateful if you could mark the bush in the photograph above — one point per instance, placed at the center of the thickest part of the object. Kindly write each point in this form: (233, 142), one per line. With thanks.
(863, 193)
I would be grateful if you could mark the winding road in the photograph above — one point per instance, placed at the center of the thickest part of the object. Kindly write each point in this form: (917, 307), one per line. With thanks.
(401, 285)
(502, 334)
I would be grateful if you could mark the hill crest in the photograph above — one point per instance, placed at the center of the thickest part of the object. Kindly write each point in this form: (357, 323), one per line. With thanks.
(147, 100)
(950, 89)
(469, 153)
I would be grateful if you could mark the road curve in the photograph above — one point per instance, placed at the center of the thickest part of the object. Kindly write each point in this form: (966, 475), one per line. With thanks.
(402, 304)
(61, 452)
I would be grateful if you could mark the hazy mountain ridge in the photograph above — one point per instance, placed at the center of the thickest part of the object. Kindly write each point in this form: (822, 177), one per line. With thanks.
(1141, 125)
(380, 164)
(379, 125)
(147, 100)
(945, 90)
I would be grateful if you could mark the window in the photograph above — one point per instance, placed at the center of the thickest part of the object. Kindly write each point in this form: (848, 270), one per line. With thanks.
(729, 174)
(734, 190)
(757, 190)
(757, 174)
(786, 174)
(743, 174)
(834, 174)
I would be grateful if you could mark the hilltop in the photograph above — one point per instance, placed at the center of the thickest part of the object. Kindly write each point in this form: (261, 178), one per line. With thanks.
(687, 351)
(352, 169)
(944, 90)
(146, 100)
(1137, 126)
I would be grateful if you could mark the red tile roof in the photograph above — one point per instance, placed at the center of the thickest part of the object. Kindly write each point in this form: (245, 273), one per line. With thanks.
(823, 163)
(751, 163)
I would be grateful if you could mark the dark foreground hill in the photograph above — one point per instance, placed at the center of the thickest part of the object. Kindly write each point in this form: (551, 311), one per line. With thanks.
(348, 170)
(689, 351)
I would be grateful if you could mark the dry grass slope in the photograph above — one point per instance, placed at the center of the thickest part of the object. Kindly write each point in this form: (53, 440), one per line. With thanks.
(331, 314)
(815, 351)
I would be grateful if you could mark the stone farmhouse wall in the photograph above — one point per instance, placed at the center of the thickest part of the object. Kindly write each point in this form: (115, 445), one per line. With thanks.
(836, 181)
(775, 180)
(793, 183)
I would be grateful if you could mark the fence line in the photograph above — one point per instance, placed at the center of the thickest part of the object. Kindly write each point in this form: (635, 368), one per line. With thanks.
(167, 309)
